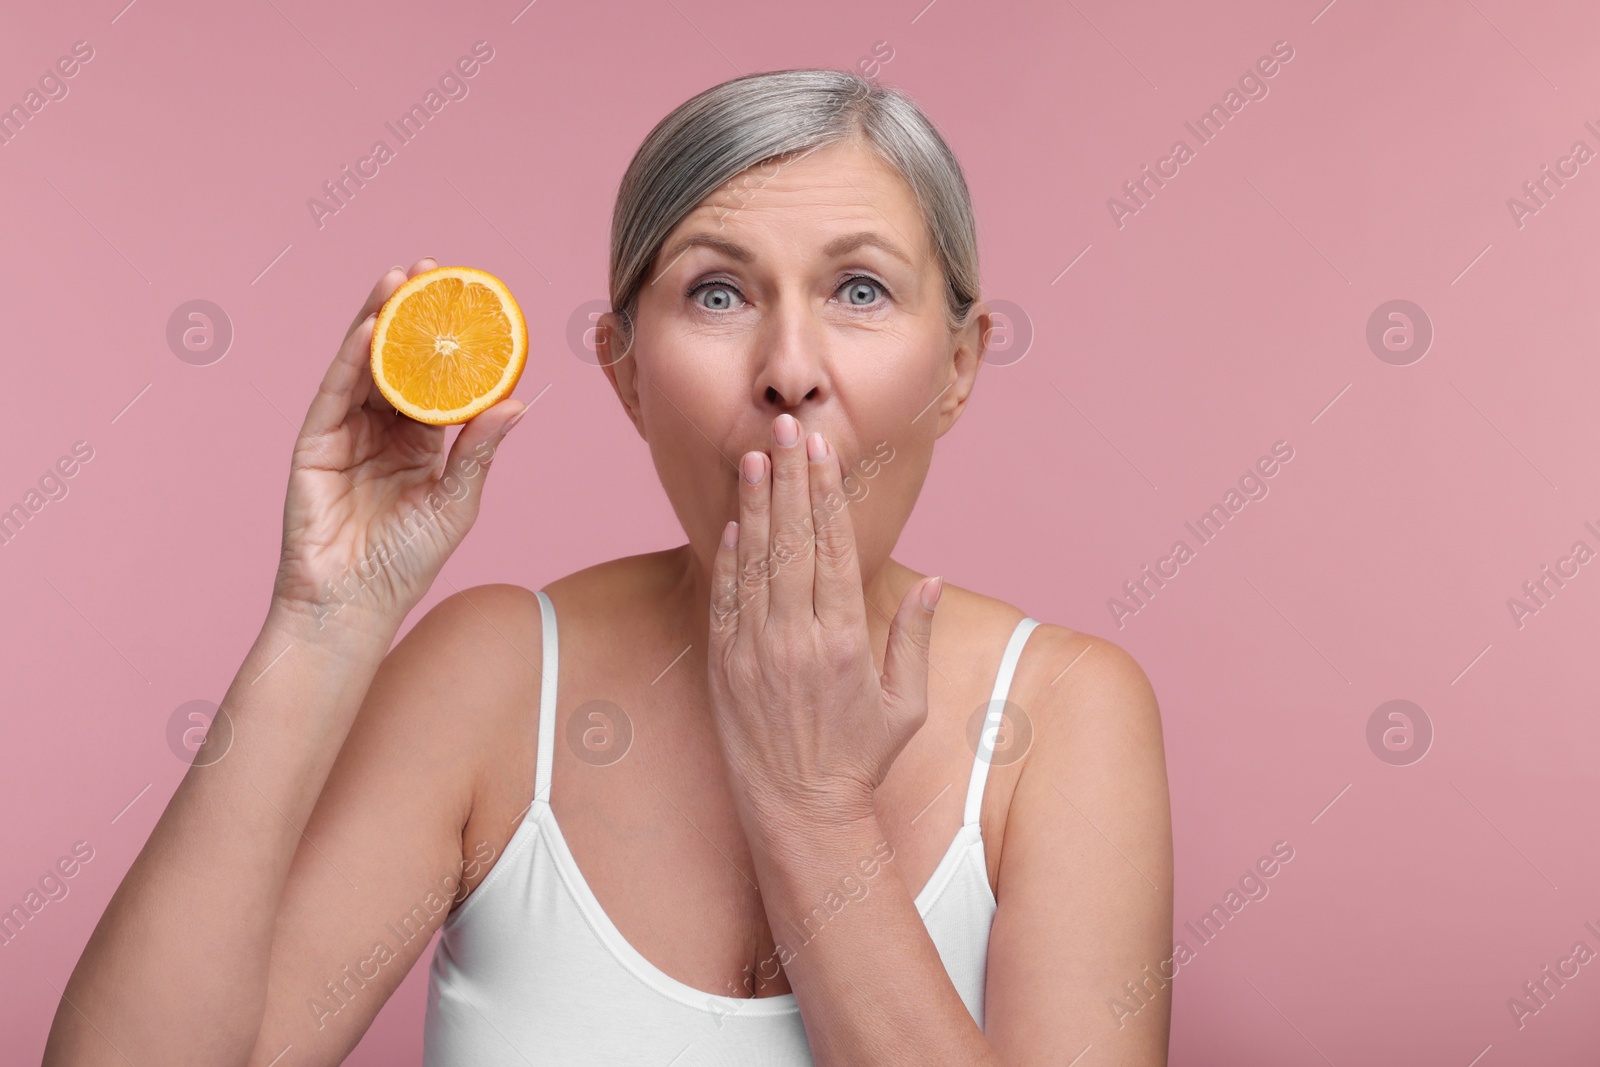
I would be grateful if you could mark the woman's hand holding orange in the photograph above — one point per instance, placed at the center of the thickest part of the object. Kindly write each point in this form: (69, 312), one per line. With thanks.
(375, 505)
(808, 726)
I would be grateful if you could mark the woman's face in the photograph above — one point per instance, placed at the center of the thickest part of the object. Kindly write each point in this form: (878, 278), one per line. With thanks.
(807, 286)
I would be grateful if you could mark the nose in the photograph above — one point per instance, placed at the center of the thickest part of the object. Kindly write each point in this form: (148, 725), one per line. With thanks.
(792, 368)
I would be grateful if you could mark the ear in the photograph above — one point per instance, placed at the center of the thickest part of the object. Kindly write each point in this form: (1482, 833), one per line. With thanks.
(965, 358)
(620, 369)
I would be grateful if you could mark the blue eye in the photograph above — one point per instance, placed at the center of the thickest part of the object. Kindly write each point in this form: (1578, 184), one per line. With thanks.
(861, 285)
(713, 286)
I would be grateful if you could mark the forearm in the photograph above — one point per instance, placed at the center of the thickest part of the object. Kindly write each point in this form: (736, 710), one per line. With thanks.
(870, 983)
(177, 966)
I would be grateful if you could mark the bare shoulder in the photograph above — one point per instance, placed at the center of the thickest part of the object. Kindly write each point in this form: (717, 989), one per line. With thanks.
(480, 650)
(1099, 743)
(1061, 671)
(1096, 760)
(481, 636)
(1085, 882)
(473, 668)
(466, 669)
(1086, 685)
(1085, 701)
(495, 632)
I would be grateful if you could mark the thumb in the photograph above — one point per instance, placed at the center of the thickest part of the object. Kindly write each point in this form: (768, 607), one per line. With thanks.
(905, 659)
(474, 451)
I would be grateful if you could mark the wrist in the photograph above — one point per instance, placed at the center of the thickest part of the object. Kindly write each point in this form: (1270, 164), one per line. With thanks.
(798, 868)
(340, 628)
(816, 813)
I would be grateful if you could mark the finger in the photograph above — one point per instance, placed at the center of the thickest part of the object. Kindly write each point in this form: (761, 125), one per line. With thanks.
(370, 394)
(792, 536)
(725, 593)
(753, 556)
(473, 452)
(346, 383)
(364, 391)
(836, 591)
(386, 284)
(905, 657)
(376, 401)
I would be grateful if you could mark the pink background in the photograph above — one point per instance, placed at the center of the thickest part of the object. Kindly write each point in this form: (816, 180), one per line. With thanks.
(1228, 314)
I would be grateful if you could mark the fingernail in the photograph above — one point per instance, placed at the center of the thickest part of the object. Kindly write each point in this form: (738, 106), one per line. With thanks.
(786, 430)
(931, 592)
(816, 447)
(730, 534)
(753, 467)
(510, 424)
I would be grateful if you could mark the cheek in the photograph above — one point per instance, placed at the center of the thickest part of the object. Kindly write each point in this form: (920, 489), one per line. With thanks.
(687, 390)
(921, 369)
(688, 407)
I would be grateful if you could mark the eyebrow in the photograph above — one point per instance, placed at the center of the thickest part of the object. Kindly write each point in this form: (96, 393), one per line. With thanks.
(837, 247)
(852, 241)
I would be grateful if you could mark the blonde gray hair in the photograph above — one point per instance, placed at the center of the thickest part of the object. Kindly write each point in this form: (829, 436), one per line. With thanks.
(727, 129)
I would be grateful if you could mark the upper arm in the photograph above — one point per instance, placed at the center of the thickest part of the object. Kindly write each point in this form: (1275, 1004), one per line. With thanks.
(1085, 904)
(381, 860)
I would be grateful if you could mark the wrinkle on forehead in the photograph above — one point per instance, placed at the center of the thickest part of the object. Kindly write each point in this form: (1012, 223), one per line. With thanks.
(849, 182)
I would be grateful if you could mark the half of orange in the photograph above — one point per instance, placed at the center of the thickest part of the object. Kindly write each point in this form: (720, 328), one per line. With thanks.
(448, 344)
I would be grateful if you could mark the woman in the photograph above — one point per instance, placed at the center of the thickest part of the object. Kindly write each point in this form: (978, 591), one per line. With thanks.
(837, 832)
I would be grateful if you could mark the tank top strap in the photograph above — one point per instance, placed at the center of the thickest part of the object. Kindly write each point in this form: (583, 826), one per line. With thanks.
(548, 669)
(991, 722)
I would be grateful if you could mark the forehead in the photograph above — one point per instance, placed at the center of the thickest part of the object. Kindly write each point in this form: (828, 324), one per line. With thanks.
(808, 199)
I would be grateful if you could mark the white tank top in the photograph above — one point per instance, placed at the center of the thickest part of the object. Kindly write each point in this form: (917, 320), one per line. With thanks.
(531, 971)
